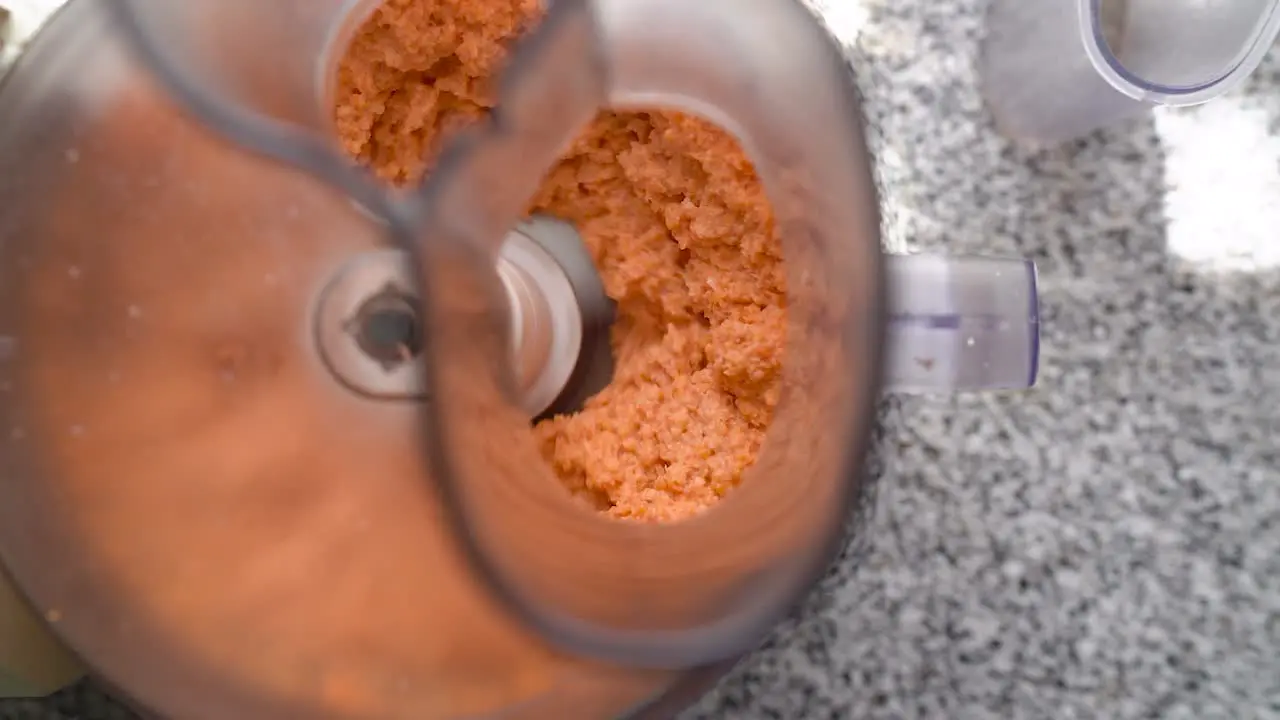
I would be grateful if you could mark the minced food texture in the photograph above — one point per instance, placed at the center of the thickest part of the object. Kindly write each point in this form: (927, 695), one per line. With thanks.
(676, 221)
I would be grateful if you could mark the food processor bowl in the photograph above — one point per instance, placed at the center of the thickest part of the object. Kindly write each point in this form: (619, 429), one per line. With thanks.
(627, 593)
(239, 496)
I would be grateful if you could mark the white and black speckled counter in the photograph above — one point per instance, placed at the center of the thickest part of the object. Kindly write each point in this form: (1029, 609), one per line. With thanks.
(1107, 545)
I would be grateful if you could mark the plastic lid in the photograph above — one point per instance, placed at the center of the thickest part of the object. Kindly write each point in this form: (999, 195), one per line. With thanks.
(1177, 52)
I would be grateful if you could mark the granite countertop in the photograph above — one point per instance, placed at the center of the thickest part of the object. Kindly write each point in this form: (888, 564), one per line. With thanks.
(1107, 545)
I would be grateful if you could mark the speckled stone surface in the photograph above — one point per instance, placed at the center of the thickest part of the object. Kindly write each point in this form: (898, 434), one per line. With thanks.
(1107, 545)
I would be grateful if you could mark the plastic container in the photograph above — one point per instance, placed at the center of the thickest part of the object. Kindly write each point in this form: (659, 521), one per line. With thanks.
(1053, 70)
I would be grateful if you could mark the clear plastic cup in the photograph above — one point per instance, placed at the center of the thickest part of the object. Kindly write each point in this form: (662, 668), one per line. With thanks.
(1053, 70)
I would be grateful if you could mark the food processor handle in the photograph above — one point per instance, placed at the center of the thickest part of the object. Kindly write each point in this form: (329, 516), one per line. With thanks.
(961, 323)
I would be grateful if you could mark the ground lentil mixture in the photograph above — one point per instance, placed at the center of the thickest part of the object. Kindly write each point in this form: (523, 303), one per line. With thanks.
(676, 221)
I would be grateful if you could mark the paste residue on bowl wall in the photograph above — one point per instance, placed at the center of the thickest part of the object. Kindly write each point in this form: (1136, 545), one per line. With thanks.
(676, 221)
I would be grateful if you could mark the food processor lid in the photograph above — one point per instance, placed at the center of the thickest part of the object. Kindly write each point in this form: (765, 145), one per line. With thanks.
(1177, 52)
(215, 503)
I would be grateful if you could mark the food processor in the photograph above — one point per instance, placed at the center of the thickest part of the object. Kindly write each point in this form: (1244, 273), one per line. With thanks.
(265, 445)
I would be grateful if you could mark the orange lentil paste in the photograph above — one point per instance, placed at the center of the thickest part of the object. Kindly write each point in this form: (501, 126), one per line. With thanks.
(676, 221)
